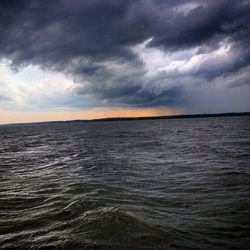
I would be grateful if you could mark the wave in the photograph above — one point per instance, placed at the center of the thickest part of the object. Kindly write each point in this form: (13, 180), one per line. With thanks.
(100, 228)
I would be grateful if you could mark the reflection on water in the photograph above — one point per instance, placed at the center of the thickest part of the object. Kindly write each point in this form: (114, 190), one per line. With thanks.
(161, 184)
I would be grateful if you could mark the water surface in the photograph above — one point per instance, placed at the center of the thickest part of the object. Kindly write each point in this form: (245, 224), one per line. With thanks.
(160, 184)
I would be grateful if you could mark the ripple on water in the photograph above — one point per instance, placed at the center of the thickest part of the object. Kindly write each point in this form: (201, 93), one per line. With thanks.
(163, 184)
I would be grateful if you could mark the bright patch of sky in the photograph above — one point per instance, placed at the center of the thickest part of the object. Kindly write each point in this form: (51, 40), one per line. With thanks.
(31, 88)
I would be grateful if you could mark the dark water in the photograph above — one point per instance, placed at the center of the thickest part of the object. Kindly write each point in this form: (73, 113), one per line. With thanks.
(163, 184)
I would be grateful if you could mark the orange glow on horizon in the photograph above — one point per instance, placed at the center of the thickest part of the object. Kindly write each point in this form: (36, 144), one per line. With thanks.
(94, 113)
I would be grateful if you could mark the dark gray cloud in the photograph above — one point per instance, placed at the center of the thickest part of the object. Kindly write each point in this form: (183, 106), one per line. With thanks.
(92, 40)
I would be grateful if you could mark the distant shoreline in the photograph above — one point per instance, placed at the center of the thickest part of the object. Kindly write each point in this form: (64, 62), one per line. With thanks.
(113, 119)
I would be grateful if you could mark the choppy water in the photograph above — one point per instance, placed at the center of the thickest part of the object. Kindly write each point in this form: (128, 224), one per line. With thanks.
(163, 184)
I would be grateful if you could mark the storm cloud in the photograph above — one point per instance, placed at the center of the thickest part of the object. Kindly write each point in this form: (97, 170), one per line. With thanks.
(106, 46)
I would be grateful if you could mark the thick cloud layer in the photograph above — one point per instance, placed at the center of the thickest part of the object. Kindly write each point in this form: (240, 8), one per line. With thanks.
(103, 44)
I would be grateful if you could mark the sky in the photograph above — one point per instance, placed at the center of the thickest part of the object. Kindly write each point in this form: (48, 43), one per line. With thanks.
(86, 59)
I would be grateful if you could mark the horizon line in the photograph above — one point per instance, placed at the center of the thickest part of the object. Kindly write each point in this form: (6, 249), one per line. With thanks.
(110, 119)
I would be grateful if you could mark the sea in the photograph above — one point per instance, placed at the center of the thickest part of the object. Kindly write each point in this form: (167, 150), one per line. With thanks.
(154, 184)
